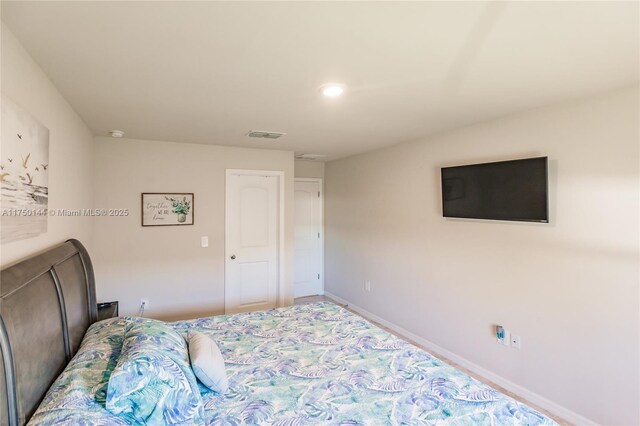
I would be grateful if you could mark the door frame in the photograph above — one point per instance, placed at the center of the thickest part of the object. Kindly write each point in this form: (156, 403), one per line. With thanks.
(280, 250)
(320, 181)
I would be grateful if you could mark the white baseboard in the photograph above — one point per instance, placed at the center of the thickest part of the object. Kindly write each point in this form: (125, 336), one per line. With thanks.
(524, 393)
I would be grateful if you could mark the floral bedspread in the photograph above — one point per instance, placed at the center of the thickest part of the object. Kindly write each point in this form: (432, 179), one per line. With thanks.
(301, 365)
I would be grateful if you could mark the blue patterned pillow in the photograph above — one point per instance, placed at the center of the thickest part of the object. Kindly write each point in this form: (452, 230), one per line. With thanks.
(153, 382)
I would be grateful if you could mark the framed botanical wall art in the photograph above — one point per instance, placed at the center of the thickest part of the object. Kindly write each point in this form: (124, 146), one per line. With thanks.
(167, 209)
(24, 174)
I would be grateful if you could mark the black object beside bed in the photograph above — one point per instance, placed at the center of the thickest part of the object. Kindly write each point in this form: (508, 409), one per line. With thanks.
(47, 303)
(107, 310)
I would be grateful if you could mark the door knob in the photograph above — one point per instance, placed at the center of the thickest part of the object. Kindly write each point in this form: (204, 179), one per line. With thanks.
(233, 256)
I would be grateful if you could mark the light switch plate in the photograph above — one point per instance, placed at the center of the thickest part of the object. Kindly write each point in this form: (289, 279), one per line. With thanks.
(204, 241)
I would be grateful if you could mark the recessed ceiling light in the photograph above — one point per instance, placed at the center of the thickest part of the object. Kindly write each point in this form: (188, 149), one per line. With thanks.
(333, 89)
(116, 133)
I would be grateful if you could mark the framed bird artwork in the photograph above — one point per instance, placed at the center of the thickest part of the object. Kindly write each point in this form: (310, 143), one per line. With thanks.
(24, 174)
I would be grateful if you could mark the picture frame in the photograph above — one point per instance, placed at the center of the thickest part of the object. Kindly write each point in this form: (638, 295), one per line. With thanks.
(167, 208)
(24, 174)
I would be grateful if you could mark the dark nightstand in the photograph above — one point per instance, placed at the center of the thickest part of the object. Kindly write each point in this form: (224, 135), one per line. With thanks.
(107, 310)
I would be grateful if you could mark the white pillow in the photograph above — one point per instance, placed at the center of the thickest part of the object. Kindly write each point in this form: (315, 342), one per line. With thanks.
(207, 362)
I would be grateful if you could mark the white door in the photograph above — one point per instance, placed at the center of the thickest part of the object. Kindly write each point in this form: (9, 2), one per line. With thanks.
(251, 241)
(308, 265)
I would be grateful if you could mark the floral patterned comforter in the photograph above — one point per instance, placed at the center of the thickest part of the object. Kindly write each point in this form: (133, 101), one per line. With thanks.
(308, 364)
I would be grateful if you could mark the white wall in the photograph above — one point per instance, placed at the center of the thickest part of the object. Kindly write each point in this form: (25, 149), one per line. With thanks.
(70, 150)
(309, 169)
(167, 264)
(569, 288)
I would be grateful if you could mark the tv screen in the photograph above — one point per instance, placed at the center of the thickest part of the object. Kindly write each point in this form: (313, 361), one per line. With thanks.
(505, 190)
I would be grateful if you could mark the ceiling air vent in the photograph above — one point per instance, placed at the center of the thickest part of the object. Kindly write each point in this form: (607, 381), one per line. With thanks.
(310, 156)
(265, 135)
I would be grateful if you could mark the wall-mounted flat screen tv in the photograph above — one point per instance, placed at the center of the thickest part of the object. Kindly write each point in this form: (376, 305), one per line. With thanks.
(505, 190)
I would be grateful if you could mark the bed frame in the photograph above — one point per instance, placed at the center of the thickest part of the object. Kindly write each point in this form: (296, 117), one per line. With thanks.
(47, 303)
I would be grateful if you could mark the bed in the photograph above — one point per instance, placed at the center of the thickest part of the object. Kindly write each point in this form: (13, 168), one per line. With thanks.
(307, 364)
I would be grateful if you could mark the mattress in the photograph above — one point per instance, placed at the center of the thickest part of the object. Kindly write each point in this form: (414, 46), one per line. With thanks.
(306, 364)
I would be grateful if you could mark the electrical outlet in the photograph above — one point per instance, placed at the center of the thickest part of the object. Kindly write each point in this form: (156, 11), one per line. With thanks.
(145, 303)
(367, 285)
(204, 241)
(516, 341)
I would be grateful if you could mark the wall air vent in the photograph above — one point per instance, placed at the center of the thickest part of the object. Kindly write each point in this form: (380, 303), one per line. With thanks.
(265, 135)
(310, 156)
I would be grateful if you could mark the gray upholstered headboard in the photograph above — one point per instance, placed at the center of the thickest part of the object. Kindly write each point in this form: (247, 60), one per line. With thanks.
(47, 303)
